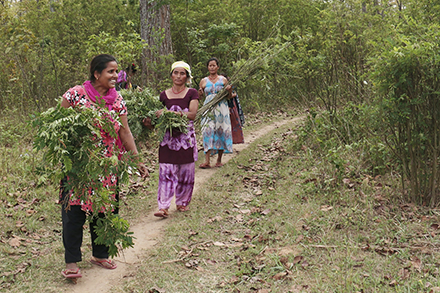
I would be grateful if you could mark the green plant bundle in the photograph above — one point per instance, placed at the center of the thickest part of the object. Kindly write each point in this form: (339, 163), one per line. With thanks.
(169, 120)
(140, 104)
(143, 105)
(70, 139)
(242, 71)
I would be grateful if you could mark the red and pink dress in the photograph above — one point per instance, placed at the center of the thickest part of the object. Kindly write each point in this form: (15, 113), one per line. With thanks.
(79, 97)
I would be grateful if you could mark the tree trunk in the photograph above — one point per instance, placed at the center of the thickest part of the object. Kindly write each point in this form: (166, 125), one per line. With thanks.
(155, 31)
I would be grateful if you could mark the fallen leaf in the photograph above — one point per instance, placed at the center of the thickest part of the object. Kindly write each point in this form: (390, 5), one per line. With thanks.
(211, 262)
(219, 243)
(14, 242)
(417, 263)
(192, 233)
(265, 212)
(299, 238)
(297, 259)
(393, 283)
(326, 208)
(215, 219)
(404, 274)
(304, 264)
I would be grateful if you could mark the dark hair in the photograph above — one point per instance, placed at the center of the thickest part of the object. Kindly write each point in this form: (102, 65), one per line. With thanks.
(99, 63)
(131, 67)
(213, 59)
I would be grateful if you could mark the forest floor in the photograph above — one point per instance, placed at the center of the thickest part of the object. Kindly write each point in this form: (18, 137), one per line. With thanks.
(148, 229)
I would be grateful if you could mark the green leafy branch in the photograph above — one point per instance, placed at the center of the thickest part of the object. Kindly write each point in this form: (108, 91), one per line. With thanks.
(71, 141)
(144, 104)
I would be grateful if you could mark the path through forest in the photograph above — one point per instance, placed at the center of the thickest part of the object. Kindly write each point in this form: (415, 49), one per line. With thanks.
(148, 230)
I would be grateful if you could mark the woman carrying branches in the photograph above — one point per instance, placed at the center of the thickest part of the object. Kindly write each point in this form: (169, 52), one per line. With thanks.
(216, 131)
(125, 78)
(99, 89)
(178, 150)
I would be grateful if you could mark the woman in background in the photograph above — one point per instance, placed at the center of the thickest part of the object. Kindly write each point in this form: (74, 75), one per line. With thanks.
(217, 133)
(125, 77)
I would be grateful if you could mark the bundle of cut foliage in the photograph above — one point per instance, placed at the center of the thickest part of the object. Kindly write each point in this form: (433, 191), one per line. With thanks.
(140, 105)
(143, 105)
(243, 69)
(169, 120)
(69, 138)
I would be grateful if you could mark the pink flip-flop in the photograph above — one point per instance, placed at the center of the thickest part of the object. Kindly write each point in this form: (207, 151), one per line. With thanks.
(204, 166)
(105, 263)
(71, 274)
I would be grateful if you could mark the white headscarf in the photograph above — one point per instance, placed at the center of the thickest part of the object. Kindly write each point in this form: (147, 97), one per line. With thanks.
(185, 66)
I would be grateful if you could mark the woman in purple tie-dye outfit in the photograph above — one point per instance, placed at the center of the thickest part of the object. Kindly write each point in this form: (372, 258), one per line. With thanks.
(177, 152)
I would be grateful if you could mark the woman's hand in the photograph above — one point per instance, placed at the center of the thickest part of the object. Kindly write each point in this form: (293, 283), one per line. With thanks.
(200, 92)
(229, 89)
(143, 170)
(147, 123)
(159, 112)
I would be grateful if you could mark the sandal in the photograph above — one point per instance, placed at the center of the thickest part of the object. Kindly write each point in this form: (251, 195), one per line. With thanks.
(182, 208)
(218, 165)
(105, 263)
(71, 273)
(205, 166)
(161, 213)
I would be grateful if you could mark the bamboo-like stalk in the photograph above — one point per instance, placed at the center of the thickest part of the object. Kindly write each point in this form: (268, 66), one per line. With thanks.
(262, 57)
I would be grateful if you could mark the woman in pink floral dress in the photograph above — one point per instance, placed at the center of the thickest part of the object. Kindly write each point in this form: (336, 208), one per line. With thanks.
(101, 85)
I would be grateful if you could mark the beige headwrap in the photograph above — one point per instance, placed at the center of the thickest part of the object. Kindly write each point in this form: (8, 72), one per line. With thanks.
(185, 66)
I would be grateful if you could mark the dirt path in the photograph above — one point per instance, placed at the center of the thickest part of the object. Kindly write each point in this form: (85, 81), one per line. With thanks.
(147, 231)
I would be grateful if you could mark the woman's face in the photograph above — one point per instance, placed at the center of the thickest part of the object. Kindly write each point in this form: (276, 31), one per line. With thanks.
(108, 77)
(213, 67)
(179, 76)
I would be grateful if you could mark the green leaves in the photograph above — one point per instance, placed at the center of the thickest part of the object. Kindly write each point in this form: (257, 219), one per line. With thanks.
(72, 144)
(139, 105)
(144, 104)
(169, 121)
(113, 232)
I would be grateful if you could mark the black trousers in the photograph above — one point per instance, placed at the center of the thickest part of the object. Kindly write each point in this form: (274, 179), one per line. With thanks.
(73, 221)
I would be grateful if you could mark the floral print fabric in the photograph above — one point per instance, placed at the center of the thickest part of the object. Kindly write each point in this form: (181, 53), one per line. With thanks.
(216, 130)
(77, 97)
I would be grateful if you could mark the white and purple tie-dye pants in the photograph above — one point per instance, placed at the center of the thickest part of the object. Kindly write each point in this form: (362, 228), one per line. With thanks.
(175, 179)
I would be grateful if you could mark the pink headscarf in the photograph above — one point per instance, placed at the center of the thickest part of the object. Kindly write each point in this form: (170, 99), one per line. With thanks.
(110, 99)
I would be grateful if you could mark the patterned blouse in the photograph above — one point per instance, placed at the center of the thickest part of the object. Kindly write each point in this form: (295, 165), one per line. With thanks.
(77, 97)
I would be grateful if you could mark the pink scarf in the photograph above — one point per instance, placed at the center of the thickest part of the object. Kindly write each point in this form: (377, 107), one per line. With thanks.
(110, 99)
(93, 94)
